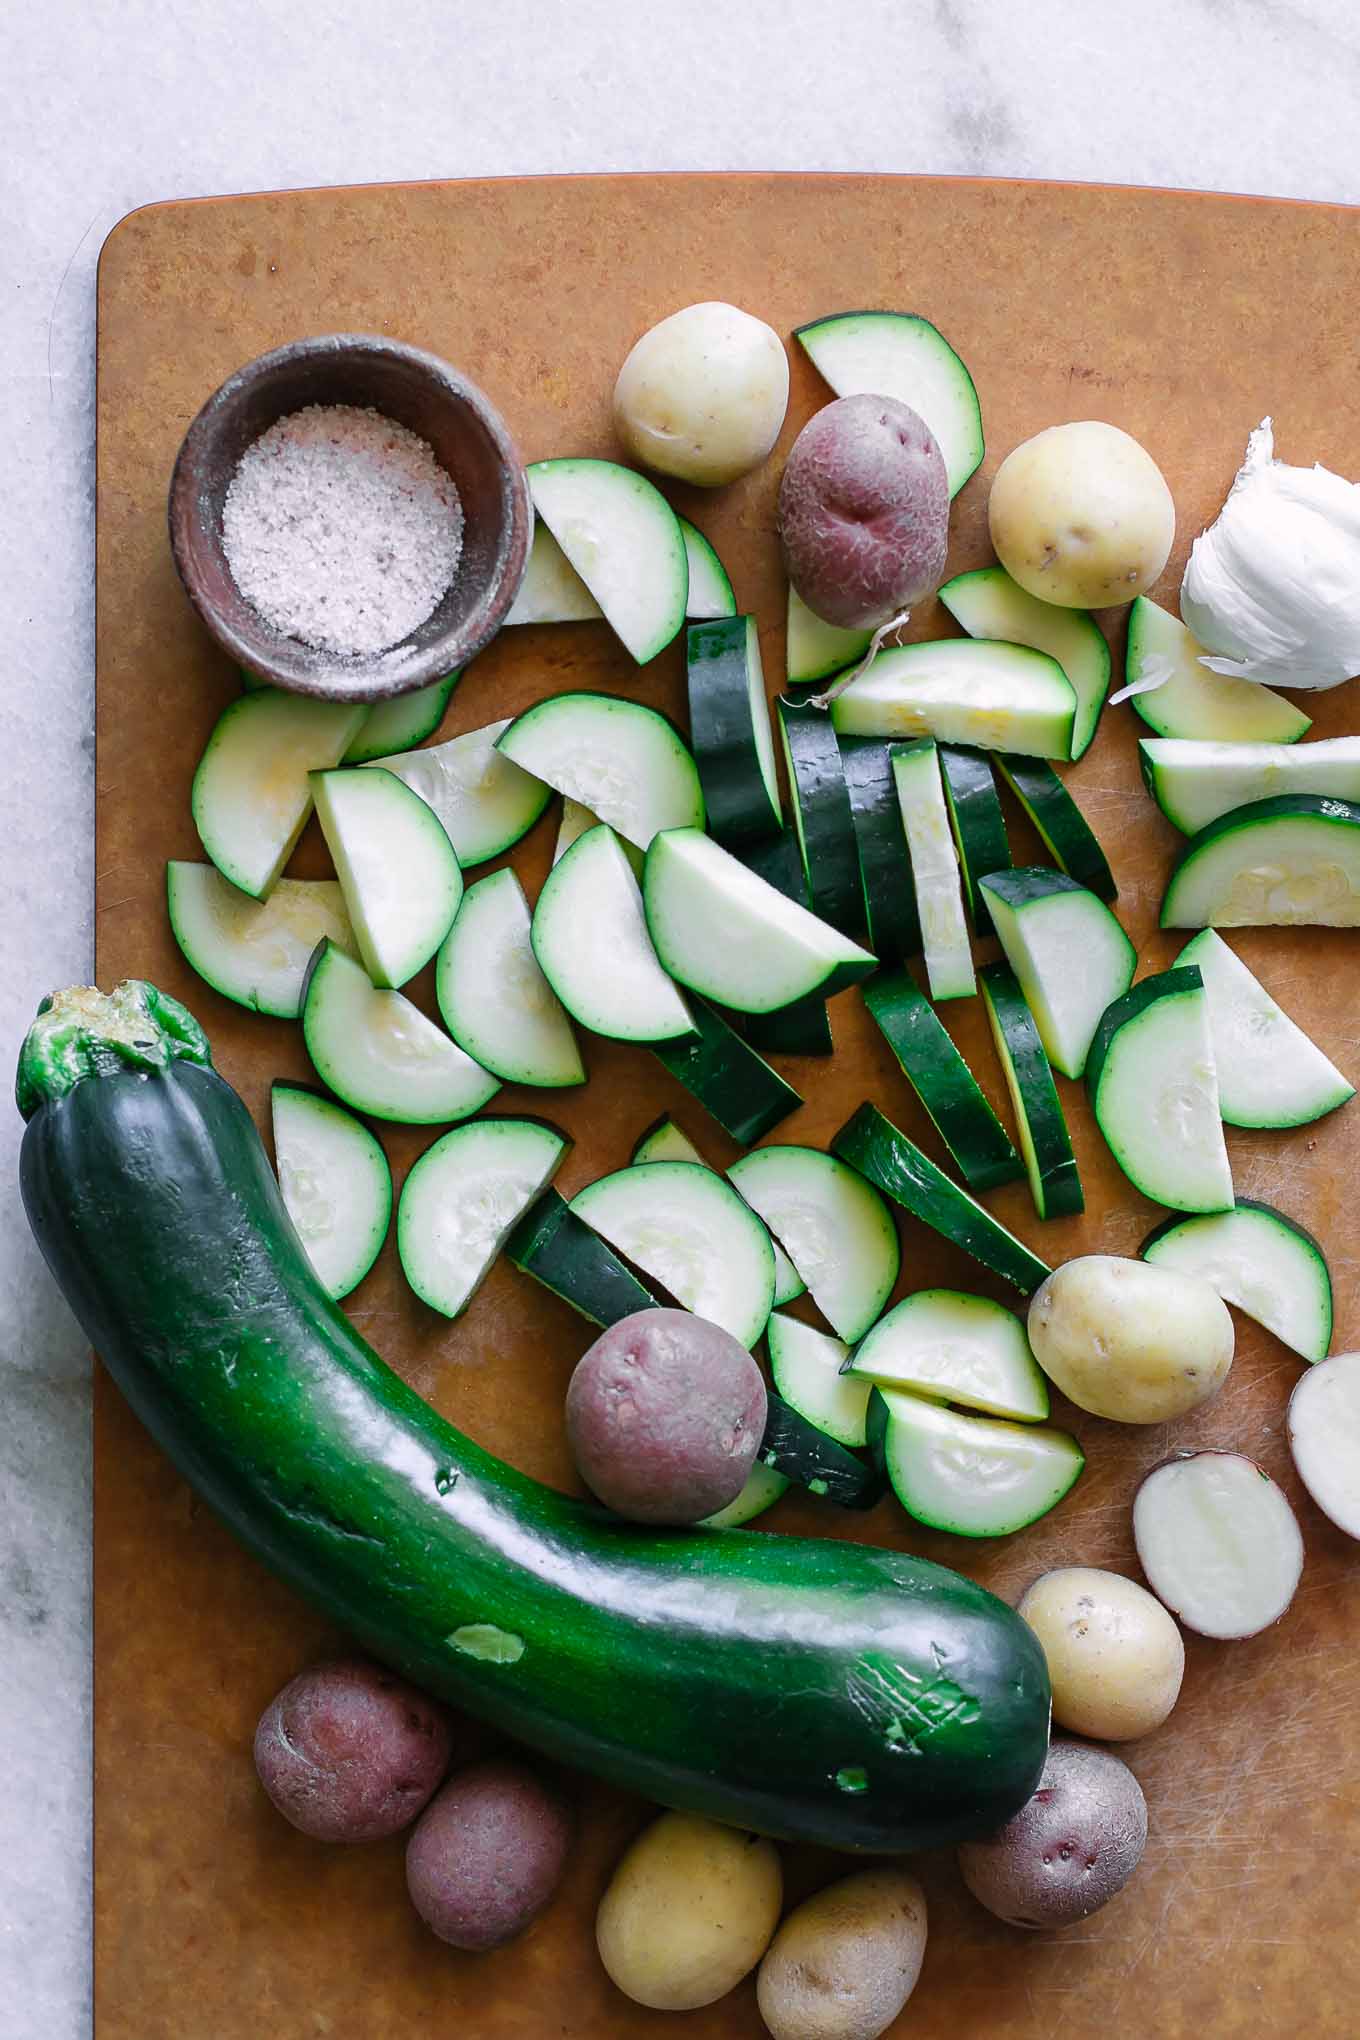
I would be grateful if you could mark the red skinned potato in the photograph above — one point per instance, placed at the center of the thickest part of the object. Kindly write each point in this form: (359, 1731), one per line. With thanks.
(1069, 1849)
(348, 1752)
(864, 511)
(487, 1855)
(664, 1415)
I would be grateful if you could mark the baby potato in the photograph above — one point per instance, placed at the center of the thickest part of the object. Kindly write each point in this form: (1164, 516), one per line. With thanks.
(1069, 1849)
(702, 394)
(1129, 1341)
(487, 1854)
(845, 1962)
(864, 511)
(348, 1752)
(1081, 516)
(1115, 1656)
(665, 1413)
(689, 1911)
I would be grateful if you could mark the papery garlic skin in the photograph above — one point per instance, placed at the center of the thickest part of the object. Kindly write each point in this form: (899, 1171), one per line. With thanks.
(1272, 588)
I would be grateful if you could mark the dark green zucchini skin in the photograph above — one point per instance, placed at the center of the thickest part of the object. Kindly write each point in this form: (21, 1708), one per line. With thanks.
(795, 1447)
(727, 1075)
(884, 860)
(804, 1028)
(977, 822)
(823, 817)
(942, 1080)
(732, 1673)
(559, 1250)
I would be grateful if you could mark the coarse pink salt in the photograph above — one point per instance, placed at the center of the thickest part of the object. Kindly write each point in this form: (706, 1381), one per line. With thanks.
(341, 528)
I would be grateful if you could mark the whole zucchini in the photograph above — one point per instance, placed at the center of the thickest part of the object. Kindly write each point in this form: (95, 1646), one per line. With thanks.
(816, 1690)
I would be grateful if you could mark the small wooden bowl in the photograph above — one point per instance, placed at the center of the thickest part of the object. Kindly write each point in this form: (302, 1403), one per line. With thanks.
(470, 440)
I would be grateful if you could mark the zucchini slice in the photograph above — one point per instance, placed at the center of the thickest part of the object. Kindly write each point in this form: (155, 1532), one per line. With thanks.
(1196, 702)
(934, 870)
(665, 1142)
(575, 821)
(728, 934)
(397, 869)
(590, 937)
(463, 1198)
(552, 591)
(989, 604)
(977, 822)
(485, 802)
(1071, 956)
(1290, 862)
(1195, 782)
(734, 1085)
(808, 1455)
(942, 1081)
(881, 842)
(252, 792)
(401, 723)
(822, 817)
(804, 1026)
(963, 691)
(806, 1365)
(729, 723)
(951, 1347)
(335, 1183)
(710, 591)
(688, 1229)
(562, 1252)
(494, 998)
(1154, 1092)
(623, 761)
(254, 951)
(1260, 1261)
(1269, 1072)
(764, 1487)
(1064, 830)
(969, 1475)
(900, 354)
(814, 650)
(834, 1227)
(1045, 1143)
(379, 1053)
(624, 540)
(895, 1165)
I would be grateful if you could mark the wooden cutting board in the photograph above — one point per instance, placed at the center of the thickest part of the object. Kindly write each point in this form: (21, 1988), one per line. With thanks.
(1183, 319)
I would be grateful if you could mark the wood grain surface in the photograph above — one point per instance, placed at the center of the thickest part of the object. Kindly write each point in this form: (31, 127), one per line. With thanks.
(1183, 319)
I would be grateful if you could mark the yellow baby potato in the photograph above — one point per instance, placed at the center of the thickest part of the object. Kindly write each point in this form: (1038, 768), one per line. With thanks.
(703, 394)
(1115, 1656)
(1081, 516)
(689, 1911)
(845, 1961)
(1129, 1341)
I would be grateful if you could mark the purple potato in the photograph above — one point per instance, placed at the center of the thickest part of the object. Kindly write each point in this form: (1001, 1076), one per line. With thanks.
(864, 511)
(348, 1752)
(487, 1855)
(665, 1413)
(1069, 1849)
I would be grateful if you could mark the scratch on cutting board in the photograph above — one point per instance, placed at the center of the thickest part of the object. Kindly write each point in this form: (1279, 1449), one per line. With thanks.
(56, 301)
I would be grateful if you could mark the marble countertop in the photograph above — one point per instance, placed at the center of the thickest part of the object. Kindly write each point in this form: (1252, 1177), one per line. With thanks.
(109, 108)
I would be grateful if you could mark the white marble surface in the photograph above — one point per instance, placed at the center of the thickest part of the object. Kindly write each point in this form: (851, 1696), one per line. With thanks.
(108, 107)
